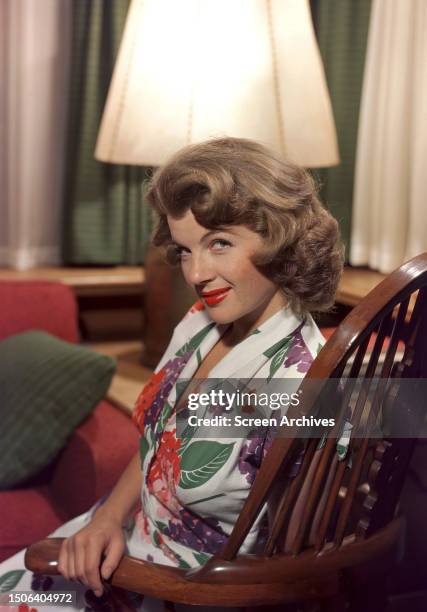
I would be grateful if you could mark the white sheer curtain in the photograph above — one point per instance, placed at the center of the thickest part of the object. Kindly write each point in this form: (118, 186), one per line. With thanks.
(390, 197)
(34, 67)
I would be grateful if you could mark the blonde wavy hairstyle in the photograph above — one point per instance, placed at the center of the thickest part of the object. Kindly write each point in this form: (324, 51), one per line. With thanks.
(235, 181)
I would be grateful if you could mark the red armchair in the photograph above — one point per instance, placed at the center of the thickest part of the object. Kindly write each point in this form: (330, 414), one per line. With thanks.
(95, 455)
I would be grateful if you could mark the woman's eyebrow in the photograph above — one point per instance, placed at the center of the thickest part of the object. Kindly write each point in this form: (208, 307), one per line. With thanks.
(203, 238)
(218, 230)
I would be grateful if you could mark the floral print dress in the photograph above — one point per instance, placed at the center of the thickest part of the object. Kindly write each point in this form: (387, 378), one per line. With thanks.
(194, 485)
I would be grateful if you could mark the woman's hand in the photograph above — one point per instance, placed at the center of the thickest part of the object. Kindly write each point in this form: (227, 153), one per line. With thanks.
(80, 555)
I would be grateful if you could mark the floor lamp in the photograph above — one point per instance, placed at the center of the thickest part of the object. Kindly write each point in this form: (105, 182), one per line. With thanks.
(188, 70)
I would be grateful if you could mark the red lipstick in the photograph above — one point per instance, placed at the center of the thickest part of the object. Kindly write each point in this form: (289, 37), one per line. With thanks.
(215, 296)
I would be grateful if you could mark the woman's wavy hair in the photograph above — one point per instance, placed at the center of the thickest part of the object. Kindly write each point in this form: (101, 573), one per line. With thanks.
(235, 181)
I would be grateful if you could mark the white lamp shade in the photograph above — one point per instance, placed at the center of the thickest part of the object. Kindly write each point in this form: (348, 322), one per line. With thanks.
(188, 70)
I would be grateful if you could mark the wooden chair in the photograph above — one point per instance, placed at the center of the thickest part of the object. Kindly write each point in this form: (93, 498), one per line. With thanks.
(334, 527)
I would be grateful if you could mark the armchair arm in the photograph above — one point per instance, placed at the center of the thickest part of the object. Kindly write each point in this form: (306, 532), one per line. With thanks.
(245, 581)
(171, 584)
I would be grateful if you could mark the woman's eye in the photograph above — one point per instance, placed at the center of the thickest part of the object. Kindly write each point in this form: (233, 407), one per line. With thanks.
(180, 252)
(220, 245)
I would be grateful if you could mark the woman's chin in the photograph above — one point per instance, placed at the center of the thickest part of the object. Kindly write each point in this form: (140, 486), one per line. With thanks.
(220, 316)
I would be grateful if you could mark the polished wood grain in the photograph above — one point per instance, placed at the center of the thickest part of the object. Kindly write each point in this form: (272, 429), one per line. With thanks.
(117, 280)
(250, 580)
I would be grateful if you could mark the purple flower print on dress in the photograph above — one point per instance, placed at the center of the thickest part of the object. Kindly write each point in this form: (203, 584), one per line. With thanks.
(201, 535)
(250, 457)
(150, 404)
(298, 354)
(172, 370)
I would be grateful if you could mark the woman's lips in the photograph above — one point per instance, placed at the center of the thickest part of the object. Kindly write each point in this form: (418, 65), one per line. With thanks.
(216, 296)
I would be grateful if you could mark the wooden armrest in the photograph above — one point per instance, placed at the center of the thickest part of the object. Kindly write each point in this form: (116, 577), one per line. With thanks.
(240, 582)
(172, 584)
(42, 558)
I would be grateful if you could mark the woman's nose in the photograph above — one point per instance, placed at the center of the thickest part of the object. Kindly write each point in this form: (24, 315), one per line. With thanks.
(197, 270)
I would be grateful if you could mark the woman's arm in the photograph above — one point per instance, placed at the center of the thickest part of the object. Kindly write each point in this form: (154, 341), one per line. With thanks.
(126, 494)
(80, 555)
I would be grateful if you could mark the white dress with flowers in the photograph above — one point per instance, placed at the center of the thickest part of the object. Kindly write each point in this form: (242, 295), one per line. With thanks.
(194, 486)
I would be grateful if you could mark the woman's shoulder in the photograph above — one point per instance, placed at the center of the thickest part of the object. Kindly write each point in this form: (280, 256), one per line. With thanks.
(297, 341)
(290, 326)
(307, 340)
(312, 334)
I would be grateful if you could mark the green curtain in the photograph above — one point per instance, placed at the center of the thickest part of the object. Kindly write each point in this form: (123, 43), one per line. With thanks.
(105, 219)
(342, 28)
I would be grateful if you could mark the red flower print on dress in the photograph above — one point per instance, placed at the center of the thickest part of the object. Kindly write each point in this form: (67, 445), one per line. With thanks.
(196, 307)
(141, 523)
(151, 401)
(147, 397)
(164, 473)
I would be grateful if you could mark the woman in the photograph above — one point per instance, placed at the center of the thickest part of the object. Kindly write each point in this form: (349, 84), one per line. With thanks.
(261, 252)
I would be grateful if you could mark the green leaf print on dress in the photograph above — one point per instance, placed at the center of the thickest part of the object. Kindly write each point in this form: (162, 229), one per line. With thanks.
(279, 351)
(9, 580)
(195, 341)
(164, 416)
(143, 449)
(201, 558)
(201, 460)
(278, 359)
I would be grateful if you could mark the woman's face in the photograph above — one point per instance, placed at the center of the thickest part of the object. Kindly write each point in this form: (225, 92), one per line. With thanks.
(217, 263)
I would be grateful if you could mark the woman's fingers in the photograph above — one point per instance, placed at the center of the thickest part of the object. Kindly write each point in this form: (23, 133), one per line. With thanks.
(93, 561)
(80, 555)
(80, 543)
(71, 562)
(63, 560)
(113, 554)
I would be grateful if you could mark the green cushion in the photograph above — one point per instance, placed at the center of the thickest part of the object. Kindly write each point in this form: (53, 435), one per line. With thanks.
(47, 388)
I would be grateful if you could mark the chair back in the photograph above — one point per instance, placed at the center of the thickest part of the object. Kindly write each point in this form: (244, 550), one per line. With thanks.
(372, 367)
